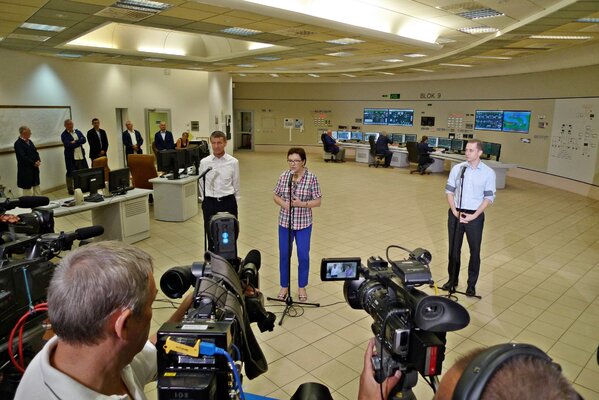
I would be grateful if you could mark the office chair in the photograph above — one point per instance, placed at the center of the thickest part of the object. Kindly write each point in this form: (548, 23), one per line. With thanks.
(327, 156)
(413, 156)
(102, 162)
(377, 159)
(142, 170)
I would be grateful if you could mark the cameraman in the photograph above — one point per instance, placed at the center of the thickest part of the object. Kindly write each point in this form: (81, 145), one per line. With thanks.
(100, 306)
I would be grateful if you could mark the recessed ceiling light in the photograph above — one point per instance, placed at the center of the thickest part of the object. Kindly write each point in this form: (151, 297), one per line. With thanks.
(325, 64)
(481, 13)
(242, 74)
(493, 57)
(246, 65)
(42, 27)
(142, 5)
(267, 58)
(393, 60)
(456, 65)
(385, 73)
(345, 41)
(314, 75)
(157, 50)
(422, 70)
(414, 55)
(340, 54)
(589, 20)
(349, 75)
(240, 31)
(196, 68)
(69, 55)
(258, 45)
(35, 38)
(552, 37)
(445, 40)
(478, 29)
(274, 75)
(153, 59)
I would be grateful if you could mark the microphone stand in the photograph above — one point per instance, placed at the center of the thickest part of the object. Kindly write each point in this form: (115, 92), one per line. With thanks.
(203, 178)
(289, 303)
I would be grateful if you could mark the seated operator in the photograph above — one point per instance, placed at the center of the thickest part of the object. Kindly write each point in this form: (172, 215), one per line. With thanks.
(519, 377)
(424, 159)
(330, 146)
(100, 306)
(382, 147)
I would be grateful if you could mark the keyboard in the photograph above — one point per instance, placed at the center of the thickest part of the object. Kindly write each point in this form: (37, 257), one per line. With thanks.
(94, 198)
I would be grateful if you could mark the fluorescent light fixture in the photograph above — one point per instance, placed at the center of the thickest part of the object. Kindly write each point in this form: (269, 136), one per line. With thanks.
(345, 41)
(340, 54)
(493, 57)
(481, 13)
(267, 58)
(258, 45)
(456, 65)
(158, 50)
(274, 75)
(422, 70)
(420, 30)
(349, 75)
(393, 60)
(555, 37)
(314, 75)
(444, 41)
(152, 59)
(42, 27)
(35, 38)
(90, 43)
(196, 68)
(242, 74)
(246, 65)
(478, 29)
(1, 38)
(142, 5)
(69, 55)
(385, 73)
(589, 20)
(325, 64)
(414, 55)
(240, 31)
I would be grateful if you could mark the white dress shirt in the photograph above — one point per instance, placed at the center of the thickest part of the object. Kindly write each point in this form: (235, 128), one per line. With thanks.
(133, 138)
(77, 152)
(223, 179)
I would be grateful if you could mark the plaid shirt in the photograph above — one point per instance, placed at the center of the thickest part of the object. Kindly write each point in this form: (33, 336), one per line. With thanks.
(305, 190)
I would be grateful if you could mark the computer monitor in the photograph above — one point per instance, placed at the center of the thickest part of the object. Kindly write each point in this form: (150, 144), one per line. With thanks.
(400, 117)
(195, 154)
(118, 180)
(375, 116)
(444, 143)
(398, 138)
(367, 136)
(433, 141)
(343, 135)
(516, 121)
(427, 121)
(458, 144)
(489, 120)
(410, 137)
(89, 180)
(169, 161)
(492, 150)
(357, 136)
(333, 134)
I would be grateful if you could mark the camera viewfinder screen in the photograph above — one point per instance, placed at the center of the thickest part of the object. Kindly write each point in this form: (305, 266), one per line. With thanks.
(340, 269)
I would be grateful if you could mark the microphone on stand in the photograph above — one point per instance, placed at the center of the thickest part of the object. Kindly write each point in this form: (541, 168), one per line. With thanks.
(205, 172)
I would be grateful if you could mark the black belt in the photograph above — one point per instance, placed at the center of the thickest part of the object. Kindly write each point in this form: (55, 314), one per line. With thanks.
(219, 199)
(466, 211)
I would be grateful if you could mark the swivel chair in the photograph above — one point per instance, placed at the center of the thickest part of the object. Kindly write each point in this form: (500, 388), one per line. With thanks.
(103, 163)
(327, 156)
(142, 170)
(375, 159)
(414, 156)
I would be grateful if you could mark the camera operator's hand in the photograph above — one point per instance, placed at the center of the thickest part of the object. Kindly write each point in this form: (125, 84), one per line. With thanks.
(9, 218)
(369, 387)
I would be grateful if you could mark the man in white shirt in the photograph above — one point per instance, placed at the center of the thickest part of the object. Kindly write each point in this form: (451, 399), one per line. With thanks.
(221, 189)
(100, 306)
(74, 153)
(132, 139)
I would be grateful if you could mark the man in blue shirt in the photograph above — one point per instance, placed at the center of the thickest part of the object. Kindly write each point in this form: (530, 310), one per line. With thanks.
(470, 190)
(382, 147)
(330, 146)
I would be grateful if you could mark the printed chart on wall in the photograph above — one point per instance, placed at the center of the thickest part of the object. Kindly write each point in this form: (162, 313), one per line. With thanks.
(574, 139)
(45, 122)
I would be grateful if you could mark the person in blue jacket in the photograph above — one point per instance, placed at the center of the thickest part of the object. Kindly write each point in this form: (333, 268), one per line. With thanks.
(74, 153)
(163, 139)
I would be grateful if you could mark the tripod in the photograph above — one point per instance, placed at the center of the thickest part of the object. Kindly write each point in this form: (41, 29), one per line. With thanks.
(289, 303)
(454, 248)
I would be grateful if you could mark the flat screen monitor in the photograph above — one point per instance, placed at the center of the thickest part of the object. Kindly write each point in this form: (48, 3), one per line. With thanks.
(169, 161)
(118, 180)
(516, 121)
(427, 121)
(357, 136)
(400, 117)
(343, 135)
(333, 134)
(433, 141)
(410, 137)
(397, 138)
(367, 136)
(444, 143)
(89, 180)
(492, 150)
(195, 154)
(488, 120)
(375, 116)
(458, 144)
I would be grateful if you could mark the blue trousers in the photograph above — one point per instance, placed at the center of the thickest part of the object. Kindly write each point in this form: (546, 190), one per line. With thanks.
(302, 242)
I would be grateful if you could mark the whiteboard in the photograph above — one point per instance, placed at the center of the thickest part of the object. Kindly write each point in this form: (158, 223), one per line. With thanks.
(46, 124)
(574, 139)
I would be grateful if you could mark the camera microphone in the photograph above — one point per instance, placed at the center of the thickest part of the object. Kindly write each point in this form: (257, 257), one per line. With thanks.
(24, 202)
(250, 267)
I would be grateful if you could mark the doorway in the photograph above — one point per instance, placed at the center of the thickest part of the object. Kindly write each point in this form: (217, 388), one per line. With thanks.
(153, 118)
(245, 119)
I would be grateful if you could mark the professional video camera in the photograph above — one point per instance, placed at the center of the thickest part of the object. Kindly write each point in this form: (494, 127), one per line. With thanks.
(226, 300)
(32, 223)
(409, 325)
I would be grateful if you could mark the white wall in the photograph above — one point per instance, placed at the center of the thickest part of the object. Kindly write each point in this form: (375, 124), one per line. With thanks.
(97, 90)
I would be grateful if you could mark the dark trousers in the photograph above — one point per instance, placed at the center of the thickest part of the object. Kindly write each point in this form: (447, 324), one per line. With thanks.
(211, 206)
(424, 163)
(388, 155)
(474, 235)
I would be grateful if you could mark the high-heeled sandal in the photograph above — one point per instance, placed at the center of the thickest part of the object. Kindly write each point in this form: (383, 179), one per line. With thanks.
(282, 294)
(303, 297)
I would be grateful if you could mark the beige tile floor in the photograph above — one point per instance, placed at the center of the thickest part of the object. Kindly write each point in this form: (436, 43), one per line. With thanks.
(539, 277)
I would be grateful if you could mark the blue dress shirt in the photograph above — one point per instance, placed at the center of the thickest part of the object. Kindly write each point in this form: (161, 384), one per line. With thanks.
(479, 184)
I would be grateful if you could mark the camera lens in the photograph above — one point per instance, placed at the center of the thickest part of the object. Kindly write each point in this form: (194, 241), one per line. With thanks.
(175, 282)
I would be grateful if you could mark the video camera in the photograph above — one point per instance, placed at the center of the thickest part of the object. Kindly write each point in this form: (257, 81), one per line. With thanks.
(409, 325)
(225, 301)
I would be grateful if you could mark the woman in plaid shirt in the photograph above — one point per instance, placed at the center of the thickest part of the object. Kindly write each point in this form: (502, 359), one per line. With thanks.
(302, 187)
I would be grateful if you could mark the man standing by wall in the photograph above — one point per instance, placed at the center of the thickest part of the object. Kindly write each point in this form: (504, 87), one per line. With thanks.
(222, 182)
(470, 189)
(74, 153)
(98, 141)
(28, 164)
(163, 139)
(132, 140)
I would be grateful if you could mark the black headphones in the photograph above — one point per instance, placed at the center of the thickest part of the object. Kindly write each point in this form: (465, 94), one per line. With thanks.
(480, 370)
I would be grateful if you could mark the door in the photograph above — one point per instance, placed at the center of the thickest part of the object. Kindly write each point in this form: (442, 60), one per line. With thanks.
(153, 119)
(246, 129)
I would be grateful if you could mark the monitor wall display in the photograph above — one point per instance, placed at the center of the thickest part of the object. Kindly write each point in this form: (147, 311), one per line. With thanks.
(343, 135)
(488, 120)
(357, 136)
(410, 137)
(516, 121)
(427, 121)
(400, 117)
(444, 143)
(375, 116)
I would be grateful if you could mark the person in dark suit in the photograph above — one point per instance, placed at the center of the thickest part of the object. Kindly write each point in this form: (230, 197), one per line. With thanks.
(163, 139)
(330, 146)
(132, 140)
(28, 164)
(74, 153)
(424, 158)
(98, 141)
(382, 147)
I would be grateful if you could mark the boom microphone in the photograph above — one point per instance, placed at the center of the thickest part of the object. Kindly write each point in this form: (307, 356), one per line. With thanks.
(89, 232)
(249, 270)
(24, 202)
